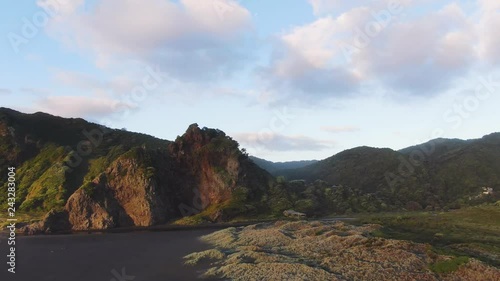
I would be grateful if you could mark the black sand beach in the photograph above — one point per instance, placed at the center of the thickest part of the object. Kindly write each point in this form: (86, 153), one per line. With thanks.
(133, 256)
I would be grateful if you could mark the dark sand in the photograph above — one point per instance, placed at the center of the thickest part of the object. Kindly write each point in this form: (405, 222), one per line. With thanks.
(147, 256)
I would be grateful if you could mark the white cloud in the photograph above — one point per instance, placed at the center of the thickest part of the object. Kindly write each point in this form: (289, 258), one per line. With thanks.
(149, 30)
(331, 7)
(59, 9)
(80, 106)
(322, 7)
(488, 31)
(420, 56)
(220, 17)
(314, 42)
(418, 53)
(310, 59)
(117, 85)
(279, 142)
(383, 46)
(79, 80)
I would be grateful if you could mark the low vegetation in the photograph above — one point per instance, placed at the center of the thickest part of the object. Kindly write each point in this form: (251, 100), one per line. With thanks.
(317, 250)
(22, 218)
(472, 231)
(449, 266)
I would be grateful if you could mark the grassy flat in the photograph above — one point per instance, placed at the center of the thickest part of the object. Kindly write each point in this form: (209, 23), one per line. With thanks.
(473, 231)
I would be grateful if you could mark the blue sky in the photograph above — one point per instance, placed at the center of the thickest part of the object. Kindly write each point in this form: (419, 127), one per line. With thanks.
(288, 79)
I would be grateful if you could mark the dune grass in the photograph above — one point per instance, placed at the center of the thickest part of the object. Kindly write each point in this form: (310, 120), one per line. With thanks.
(314, 250)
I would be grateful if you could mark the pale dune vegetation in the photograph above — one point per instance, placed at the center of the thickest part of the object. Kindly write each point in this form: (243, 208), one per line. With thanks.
(324, 251)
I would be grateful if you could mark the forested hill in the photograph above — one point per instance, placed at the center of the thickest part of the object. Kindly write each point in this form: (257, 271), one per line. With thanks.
(439, 172)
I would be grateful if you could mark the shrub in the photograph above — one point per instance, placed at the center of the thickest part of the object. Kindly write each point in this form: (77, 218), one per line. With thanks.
(150, 172)
(89, 188)
(448, 266)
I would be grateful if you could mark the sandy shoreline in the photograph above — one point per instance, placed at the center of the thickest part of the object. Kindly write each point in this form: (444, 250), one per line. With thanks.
(171, 227)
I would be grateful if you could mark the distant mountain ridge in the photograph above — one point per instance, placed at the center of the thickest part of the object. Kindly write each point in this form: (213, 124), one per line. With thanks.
(275, 167)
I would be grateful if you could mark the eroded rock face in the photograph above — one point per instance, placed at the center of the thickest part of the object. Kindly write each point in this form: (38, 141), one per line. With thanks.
(206, 163)
(122, 196)
(211, 164)
(86, 212)
(134, 192)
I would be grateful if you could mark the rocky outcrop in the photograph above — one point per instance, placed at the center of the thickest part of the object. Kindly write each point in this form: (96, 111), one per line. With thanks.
(144, 187)
(208, 160)
(136, 192)
(213, 166)
(103, 178)
(53, 222)
(123, 195)
(89, 212)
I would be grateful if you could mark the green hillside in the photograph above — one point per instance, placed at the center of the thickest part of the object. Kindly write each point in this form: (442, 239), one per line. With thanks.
(439, 174)
(54, 155)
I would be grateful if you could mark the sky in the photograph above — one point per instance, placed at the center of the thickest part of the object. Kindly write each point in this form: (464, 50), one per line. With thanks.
(288, 79)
